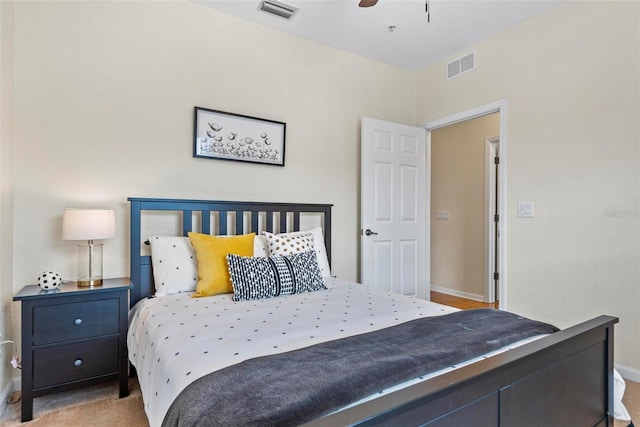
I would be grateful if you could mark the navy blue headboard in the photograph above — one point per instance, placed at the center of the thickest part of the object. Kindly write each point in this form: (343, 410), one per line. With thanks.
(141, 273)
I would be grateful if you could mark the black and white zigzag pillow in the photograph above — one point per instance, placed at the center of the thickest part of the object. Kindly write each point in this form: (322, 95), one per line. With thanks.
(266, 277)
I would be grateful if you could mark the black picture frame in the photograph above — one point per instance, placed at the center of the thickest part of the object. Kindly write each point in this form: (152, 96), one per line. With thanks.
(228, 136)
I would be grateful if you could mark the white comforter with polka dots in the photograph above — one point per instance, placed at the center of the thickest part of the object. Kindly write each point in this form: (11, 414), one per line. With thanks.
(174, 340)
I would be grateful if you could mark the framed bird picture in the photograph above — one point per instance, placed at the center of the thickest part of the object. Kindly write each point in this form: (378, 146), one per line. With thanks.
(228, 136)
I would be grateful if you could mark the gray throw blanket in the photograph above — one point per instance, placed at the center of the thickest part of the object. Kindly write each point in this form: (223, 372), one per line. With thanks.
(295, 387)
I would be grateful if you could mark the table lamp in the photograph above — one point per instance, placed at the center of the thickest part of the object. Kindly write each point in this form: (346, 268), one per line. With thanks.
(89, 225)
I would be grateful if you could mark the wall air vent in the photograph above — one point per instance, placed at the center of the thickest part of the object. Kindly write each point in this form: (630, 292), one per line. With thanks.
(461, 65)
(278, 8)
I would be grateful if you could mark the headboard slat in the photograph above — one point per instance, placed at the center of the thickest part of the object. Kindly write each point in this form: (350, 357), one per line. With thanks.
(187, 223)
(206, 222)
(239, 222)
(222, 222)
(269, 224)
(296, 220)
(255, 215)
(141, 266)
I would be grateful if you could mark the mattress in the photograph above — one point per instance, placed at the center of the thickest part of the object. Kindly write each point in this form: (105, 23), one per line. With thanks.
(174, 340)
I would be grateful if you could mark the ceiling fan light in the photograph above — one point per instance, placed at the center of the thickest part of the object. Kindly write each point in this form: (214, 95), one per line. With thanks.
(367, 3)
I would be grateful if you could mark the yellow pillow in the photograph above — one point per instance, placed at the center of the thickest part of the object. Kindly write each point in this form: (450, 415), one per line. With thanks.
(211, 253)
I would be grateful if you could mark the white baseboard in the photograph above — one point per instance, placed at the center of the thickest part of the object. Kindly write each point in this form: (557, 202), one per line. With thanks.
(8, 389)
(628, 373)
(4, 395)
(456, 293)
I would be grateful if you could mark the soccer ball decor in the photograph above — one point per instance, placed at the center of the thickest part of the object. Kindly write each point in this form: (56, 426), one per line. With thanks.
(49, 280)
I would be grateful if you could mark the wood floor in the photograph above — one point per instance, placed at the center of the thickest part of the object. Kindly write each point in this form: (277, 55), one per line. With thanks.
(461, 303)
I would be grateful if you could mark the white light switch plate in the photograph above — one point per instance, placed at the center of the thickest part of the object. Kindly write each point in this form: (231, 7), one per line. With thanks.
(442, 215)
(525, 209)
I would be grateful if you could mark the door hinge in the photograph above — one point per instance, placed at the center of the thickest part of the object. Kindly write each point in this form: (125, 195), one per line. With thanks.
(496, 218)
(496, 276)
(496, 160)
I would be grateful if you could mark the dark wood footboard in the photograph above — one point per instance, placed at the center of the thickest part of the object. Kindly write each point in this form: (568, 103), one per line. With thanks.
(564, 379)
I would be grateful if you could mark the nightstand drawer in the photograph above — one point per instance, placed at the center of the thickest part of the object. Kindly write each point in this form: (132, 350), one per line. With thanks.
(67, 363)
(65, 322)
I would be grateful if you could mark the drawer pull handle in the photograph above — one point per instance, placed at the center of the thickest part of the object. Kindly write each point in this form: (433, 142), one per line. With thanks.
(78, 321)
(77, 362)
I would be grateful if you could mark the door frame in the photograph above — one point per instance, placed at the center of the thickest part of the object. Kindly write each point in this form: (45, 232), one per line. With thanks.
(491, 149)
(499, 106)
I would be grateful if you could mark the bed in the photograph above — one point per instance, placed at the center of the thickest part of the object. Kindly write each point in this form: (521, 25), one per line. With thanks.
(562, 379)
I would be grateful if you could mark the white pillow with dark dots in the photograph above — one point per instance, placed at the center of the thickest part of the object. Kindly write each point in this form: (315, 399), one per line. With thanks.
(288, 243)
(260, 248)
(260, 277)
(174, 264)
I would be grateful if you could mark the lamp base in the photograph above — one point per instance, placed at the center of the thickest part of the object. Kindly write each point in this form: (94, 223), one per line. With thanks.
(89, 282)
(89, 265)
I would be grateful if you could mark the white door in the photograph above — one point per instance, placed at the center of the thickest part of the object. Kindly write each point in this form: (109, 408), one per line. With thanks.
(394, 206)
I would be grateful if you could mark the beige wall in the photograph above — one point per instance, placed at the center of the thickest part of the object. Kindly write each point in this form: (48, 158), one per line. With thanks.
(458, 186)
(104, 97)
(104, 110)
(570, 76)
(6, 185)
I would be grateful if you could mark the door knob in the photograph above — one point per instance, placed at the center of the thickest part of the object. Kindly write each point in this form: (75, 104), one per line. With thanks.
(368, 232)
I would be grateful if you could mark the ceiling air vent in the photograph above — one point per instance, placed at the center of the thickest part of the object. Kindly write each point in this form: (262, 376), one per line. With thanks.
(461, 65)
(278, 8)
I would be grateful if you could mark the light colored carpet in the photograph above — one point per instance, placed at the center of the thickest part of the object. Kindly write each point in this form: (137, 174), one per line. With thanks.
(631, 401)
(99, 406)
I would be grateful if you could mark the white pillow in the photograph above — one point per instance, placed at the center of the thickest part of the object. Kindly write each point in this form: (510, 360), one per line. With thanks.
(286, 244)
(174, 265)
(260, 247)
(318, 247)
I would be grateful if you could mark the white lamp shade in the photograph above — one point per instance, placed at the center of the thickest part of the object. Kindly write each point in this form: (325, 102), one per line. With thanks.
(88, 224)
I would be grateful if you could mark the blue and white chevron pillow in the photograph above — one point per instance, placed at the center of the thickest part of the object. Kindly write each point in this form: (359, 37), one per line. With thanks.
(267, 277)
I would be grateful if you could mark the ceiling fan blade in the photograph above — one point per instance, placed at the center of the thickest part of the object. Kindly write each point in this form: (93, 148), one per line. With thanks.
(367, 3)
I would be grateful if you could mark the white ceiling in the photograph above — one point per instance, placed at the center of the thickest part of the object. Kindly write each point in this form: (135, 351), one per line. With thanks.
(414, 45)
